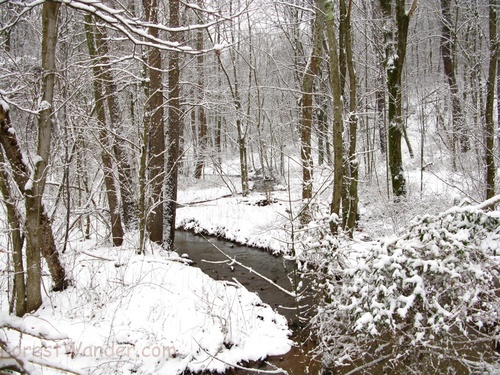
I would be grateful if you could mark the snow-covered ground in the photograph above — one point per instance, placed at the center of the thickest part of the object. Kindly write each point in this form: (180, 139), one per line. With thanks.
(152, 314)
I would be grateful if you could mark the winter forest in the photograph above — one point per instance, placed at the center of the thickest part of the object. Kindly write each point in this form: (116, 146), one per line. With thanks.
(249, 186)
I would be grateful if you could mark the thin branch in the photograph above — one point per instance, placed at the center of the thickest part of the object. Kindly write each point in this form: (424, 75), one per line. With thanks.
(258, 371)
(291, 294)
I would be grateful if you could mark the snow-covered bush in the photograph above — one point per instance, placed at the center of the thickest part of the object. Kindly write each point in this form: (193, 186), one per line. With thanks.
(424, 302)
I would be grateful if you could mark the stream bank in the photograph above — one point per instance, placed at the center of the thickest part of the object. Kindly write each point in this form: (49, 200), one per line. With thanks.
(203, 252)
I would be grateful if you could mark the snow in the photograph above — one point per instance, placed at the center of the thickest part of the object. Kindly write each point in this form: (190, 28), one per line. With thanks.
(43, 106)
(5, 106)
(151, 314)
(219, 47)
(234, 218)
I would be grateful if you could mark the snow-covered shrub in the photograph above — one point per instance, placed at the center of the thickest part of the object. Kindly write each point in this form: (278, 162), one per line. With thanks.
(424, 302)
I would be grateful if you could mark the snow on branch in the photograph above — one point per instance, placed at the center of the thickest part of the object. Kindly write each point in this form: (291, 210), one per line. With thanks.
(489, 204)
(133, 28)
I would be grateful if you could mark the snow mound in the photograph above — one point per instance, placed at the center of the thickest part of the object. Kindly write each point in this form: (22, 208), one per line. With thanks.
(151, 314)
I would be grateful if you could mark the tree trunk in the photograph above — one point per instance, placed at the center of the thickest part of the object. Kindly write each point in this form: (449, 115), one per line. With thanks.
(106, 144)
(202, 118)
(174, 132)
(396, 34)
(38, 227)
(490, 98)
(15, 223)
(352, 162)
(458, 128)
(338, 123)
(307, 117)
(155, 126)
(322, 133)
(241, 131)
(125, 179)
(40, 240)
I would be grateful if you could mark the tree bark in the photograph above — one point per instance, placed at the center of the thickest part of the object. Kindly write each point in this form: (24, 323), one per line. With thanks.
(15, 222)
(306, 118)
(490, 98)
(352, 162)
(38, 227)
(40, 240)
(458, 128)
(395, 35)
(202, 118)
(338, 123)
(155, 126)
(106, 144)
(174, 132)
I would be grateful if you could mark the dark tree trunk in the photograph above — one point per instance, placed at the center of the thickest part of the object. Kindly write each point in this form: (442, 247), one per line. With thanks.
(490, 98)
(396, 34)
(155, 126)
(458, 128)
(40, 241)
(322, 133)
(351, 207)
(338, 122)
(174, 132)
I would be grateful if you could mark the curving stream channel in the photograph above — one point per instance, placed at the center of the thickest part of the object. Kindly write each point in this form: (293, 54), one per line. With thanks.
(211, 261)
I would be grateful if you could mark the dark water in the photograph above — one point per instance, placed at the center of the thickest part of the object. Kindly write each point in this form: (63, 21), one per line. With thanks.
(280, 271)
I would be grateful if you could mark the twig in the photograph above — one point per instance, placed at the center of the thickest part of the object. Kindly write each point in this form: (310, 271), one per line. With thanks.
(277, 371)
(97, 257)
(291, 294)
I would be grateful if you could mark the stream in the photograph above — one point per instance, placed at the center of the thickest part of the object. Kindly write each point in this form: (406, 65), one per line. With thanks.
(208, 259)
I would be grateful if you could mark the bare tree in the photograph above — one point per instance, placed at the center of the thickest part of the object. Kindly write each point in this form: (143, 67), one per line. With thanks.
(15, 222)
(154, 123)
(174, 132)
(338, 108)
(350, 207)
(397, 20)
(306, 117)
(447, 48)
(202, 118)
(118, 146)
(494, 44)
(104, 138)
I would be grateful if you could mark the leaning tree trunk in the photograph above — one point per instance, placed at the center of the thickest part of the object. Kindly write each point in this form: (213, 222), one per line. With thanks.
(490, 97)
(40, 240)
(306, 118)
(107, 160)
